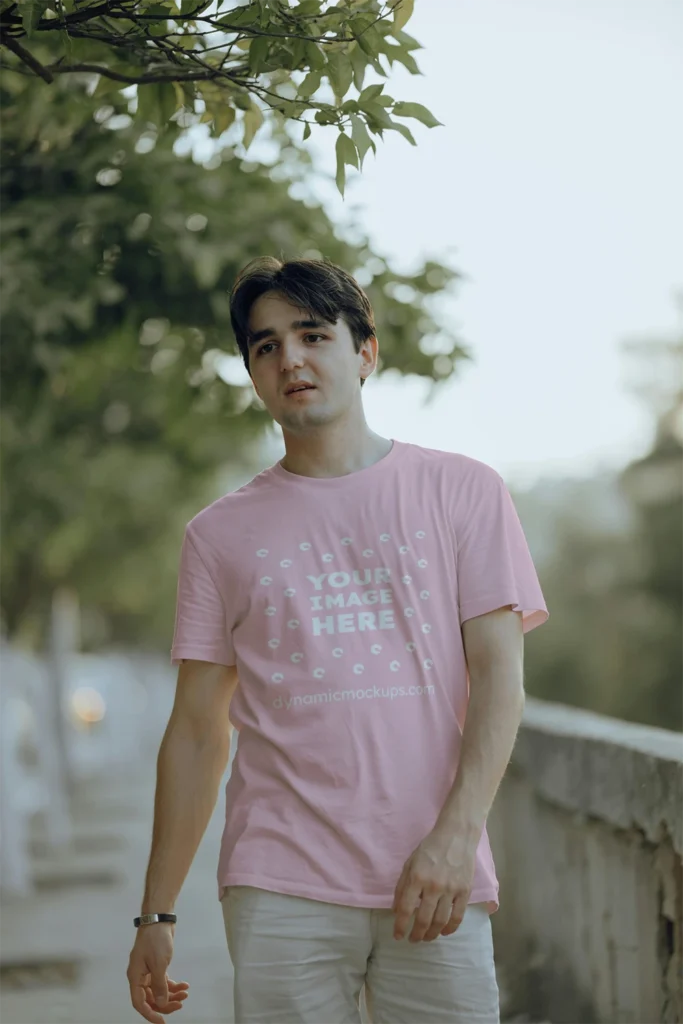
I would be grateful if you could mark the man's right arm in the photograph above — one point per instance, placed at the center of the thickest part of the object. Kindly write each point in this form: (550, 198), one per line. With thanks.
(192, 759)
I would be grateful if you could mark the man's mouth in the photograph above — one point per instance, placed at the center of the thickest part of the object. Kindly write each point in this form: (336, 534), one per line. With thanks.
(303, 387)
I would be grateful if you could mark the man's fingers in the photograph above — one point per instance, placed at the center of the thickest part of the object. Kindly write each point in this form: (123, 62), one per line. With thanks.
(172, 1004)
(177, 986)
(160, 990)
(173, 995)
(138, 997)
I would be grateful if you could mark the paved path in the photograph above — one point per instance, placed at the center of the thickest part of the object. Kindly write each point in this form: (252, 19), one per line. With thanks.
(80, 914)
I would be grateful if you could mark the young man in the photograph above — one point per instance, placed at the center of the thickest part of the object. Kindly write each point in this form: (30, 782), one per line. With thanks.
(344, 611)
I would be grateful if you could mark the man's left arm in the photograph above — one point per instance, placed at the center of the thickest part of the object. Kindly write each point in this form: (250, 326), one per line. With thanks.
(494, 650)
(439, 874)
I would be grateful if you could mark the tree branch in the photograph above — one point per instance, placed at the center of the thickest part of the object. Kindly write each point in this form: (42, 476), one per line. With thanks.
(27, 58)
(117, 76)
(105, 9)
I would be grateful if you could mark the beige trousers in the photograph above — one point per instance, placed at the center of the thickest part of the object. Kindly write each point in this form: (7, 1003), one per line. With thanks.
(302, 961)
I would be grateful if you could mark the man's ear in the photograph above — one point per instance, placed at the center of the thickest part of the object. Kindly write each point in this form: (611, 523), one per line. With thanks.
(371, 371)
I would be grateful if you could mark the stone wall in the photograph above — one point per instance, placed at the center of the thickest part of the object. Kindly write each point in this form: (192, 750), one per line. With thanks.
(587, 835)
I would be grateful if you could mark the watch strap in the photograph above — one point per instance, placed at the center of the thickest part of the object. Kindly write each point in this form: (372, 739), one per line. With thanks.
(154, 919)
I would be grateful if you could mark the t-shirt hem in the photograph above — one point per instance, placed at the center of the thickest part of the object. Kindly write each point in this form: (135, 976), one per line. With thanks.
(533, 616)
(488, 895)
(212, 654)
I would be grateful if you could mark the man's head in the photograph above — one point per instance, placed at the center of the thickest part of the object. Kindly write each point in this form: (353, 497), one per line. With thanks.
(303, 320)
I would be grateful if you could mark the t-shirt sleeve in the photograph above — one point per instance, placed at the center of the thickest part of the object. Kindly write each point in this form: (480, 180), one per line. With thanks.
(494, 564)
(202, 630)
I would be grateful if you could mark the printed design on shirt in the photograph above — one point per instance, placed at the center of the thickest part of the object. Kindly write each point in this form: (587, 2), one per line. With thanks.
(354, 600)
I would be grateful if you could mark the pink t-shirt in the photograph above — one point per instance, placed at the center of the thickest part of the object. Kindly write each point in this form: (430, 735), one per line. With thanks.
(340, 601)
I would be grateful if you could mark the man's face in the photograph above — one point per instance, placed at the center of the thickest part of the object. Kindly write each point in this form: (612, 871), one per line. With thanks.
(291, 346)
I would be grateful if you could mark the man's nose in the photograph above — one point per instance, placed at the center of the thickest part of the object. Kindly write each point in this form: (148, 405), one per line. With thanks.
(291, 354)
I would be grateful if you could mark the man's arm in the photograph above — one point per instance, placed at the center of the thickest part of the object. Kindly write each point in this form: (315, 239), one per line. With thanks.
(192, 759)
(494, 649)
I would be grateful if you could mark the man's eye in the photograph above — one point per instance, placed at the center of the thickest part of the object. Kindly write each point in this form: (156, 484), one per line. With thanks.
(269, 344)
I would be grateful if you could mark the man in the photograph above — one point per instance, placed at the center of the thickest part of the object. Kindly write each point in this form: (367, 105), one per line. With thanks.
(344, 611)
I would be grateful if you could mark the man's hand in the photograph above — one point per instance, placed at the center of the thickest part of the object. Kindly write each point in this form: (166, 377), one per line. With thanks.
(436, 881)
(152, 992)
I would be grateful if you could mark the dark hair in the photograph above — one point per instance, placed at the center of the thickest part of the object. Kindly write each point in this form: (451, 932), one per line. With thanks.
(318, 286)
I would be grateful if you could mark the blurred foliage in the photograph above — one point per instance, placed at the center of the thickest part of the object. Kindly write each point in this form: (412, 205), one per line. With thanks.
(616, 595)
(228, 64)
(654, 484)
(118, 256)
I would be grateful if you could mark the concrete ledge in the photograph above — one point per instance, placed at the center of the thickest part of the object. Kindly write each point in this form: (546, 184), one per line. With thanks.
(587, 835)
(628, 775)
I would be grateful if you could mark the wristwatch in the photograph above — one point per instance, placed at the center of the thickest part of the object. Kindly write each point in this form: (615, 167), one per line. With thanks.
(154, 918)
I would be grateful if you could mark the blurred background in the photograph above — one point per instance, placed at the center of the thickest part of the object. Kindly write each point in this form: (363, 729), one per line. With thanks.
(524, 261)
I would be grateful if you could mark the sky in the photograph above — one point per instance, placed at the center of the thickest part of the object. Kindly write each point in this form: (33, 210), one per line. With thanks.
(554, 186)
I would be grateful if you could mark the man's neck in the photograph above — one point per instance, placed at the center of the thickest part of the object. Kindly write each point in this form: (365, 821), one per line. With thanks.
(314, 461)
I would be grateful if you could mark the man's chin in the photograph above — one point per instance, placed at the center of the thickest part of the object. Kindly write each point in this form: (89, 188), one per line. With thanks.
(302, 418)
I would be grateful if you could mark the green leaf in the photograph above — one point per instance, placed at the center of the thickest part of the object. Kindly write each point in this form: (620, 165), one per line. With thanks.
(66, 42)
(325, 116)
(370, 93)
(253, 119)
(148, 103)
(377, 113)
(359, 64)
(366, 44)
(371, 42)
(315, 57)
(224, 117)
(407, 60)
(168, 102)
(340, 176)
(289, 108)
(298, 48)
(306, 8)
(258, 54)
(106, 86)
(31, 13)
(362, 140)
(157, 103)
(310, 84)
(179, 95)
(307, 130)
(240, 17)
(340, 74)
(417, 111)
(404, 131)
(160, 27)
(407, 41)
(242, 100)
(348, 151)
(403, 11)
(346, 154)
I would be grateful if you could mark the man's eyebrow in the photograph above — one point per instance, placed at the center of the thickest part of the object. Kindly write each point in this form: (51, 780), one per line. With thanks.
(296, 325)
